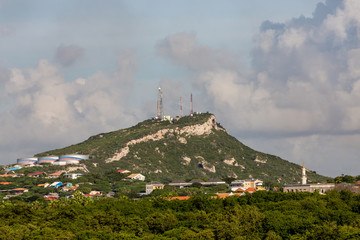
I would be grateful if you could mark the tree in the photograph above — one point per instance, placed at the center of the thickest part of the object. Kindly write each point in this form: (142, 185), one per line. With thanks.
(348, 179)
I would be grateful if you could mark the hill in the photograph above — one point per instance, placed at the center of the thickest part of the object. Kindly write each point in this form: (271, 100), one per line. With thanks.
(188, 147)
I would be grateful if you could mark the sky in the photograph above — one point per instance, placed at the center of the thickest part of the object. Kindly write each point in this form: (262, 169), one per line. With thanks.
(282, 76)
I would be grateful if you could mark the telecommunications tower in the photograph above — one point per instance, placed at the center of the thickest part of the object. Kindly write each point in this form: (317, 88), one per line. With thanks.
(191, 105)
(160, 109)
(181, 113)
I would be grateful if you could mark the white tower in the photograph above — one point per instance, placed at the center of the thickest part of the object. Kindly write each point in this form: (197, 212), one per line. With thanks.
(160, 109)
(303, 177)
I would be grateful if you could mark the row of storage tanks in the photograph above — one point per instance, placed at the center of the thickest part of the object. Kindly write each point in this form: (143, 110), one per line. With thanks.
(55, 160)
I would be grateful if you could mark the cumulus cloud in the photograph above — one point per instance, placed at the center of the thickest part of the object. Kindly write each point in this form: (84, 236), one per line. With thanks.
(68, 55)
(45, 110)
(304, 80)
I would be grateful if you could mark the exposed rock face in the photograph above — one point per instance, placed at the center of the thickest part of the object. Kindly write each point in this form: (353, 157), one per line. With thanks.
(231, 162)
(73, 169)
(193, 130)
(119, 155)
(205, 165)
(182, 140)
(187, 160)
(200, 129)
(260, 160)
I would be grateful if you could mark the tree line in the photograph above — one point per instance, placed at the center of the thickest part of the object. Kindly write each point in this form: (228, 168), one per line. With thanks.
(262, 215)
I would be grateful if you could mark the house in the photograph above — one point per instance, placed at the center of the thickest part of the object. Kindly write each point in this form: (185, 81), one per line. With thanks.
(44, 185)
(250, 190)
(55, 175)
(124, 171)
(321, 188)
(180, 183)
(222, 195)
(73, 175)
(13, 168)
(240, 190)
(93, 194)
(136, 176)
(96, 193)
(152, 186)
(56, 184)
(36, 174)
(69, 187)
(18, 191)
(179, 198)
(8, 175)
(52, 196)
(246, 183)
(225, 195)
(213, 182)
(5, 183)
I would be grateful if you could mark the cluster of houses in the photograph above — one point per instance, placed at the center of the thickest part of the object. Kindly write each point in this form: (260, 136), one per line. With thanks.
(44, 174)
(57, 185)
(238, 187)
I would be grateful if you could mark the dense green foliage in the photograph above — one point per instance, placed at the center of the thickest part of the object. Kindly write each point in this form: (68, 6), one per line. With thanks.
(262, 215)
(214, 155)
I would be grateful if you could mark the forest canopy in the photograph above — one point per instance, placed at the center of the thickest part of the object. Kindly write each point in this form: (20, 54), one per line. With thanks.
(262, 215)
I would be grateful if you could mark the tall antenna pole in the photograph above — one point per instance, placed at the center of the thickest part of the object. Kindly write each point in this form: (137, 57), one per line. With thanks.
(181, 113)
(160, 109)
(191, 105)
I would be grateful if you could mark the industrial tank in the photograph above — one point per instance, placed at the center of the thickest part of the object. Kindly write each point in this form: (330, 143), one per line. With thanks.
(27, 161)
(48, 159)
(73, 158)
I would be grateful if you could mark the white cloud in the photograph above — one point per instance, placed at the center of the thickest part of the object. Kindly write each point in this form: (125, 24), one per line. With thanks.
(47, 111)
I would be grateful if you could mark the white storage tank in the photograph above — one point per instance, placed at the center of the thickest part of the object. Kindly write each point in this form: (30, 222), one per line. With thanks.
(60, 163)
(27, 161)
(48, 159)
(73, 158)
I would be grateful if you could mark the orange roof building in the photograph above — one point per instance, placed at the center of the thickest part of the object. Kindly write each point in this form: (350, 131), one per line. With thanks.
(5, 183)
(179, 198)
(55, 175)
(240, 190)
(250, 190)
(7, 175)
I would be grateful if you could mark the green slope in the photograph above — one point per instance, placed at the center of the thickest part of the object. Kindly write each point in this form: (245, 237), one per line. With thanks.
(183, 155)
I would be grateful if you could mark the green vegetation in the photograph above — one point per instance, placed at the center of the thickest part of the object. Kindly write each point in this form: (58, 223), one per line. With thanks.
(262, 215)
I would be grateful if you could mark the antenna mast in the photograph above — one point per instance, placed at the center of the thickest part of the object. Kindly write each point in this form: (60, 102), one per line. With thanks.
(181, 113)
(191, 105)
(160, 109)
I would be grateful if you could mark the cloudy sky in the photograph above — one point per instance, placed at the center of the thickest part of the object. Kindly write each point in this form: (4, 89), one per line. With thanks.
(283, 76)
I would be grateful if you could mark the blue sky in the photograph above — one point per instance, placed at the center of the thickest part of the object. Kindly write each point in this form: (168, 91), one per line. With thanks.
(70, 69)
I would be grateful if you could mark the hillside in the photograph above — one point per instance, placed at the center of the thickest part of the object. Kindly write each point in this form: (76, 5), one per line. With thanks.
(192, 146)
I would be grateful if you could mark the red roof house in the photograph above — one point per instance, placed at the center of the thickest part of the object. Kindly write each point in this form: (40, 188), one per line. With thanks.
(250, 190)
(36, 174)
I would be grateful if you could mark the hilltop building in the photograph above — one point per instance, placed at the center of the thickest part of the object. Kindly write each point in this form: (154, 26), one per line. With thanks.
(322, 188)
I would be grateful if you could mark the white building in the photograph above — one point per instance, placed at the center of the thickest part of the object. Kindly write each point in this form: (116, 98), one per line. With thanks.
(152, 186)
(136, 176)
(322, 188)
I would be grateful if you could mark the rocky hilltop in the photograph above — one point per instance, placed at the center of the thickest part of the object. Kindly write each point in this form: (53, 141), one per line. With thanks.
(187, 147)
